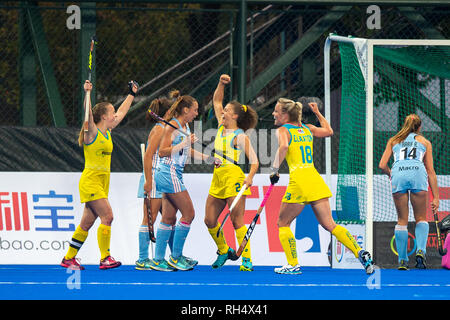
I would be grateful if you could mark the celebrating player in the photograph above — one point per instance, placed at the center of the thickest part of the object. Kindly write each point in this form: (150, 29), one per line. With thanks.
(174, 150)
(148, 189)
(94, 182)
(411, 172)
(228, 179)
(306, 186)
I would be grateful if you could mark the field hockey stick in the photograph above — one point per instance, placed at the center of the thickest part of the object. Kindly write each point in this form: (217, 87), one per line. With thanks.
(252, 225)
(441, 249)
(147, 202)
(88, 94)
(154, 115)
(233, 204)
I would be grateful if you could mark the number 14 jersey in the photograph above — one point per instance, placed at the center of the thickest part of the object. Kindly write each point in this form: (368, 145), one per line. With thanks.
(408, 171)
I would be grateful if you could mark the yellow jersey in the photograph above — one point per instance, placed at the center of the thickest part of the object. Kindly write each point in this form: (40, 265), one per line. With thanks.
(305, 183)
(94, 181)
(97, 154)
(228, 178)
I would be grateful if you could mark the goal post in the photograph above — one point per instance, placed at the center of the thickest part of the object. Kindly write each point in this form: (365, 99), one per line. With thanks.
(383, 80)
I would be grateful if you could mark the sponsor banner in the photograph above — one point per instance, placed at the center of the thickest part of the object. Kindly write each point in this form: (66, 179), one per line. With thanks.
(39, 212)
(385, 251)
(341, 256)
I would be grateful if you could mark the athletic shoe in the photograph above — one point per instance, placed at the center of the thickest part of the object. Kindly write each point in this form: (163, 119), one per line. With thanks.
(143, 264)
(109, 263)
(222, 258)
(180, 263)
(246, 265)
(161, 265)
(288, 269)
(366, 260)
(403, 265)
(420, 260)
(71, 264)
(191, 261)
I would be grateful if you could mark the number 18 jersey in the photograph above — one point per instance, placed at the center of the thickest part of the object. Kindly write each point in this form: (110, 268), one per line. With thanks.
(305, 183)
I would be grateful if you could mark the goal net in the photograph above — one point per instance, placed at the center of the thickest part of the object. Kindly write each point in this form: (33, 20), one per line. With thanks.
(382, 82)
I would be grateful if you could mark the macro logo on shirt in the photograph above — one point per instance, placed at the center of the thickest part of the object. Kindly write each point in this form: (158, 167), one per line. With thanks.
(301, 131)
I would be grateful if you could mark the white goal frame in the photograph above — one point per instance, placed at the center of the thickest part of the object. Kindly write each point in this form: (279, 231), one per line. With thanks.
(364, 49)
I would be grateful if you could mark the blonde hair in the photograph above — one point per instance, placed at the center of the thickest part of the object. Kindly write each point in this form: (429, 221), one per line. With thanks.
(98, 111)
(292, 108)
(412, 123)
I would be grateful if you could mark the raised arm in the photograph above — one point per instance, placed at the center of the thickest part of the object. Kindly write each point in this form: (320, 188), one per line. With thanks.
(133, 87)
(218, 96)
(90, 135)
(325, 129)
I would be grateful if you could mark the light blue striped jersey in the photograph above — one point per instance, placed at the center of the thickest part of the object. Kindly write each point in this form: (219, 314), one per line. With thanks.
(178, 160)
(408, 150)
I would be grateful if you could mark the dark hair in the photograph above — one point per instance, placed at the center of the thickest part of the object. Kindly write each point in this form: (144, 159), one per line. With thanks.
(161, 105)
(247, 117)
(97, 112)
(177, 107)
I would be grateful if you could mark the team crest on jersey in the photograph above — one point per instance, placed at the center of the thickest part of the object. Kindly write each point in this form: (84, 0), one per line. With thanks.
(301, 131)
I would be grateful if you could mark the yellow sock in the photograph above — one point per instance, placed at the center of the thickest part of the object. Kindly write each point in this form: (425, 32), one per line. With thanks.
(289, 245)
(104, 239)
(346, 239)
(240, 234)
(78, 238)
(220, 240)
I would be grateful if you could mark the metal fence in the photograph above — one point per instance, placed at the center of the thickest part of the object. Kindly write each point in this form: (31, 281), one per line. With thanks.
(186, 47)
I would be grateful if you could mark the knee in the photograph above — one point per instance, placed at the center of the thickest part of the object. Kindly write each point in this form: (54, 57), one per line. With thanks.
(210, 222)
(237, 221)
(107, 219)
(188, 216)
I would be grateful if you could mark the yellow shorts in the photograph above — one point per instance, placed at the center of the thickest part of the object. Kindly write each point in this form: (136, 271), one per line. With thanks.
(227, 182)
(305, 186)
(93, 185)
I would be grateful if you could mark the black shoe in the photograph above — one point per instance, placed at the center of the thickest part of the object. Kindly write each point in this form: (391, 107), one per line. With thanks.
(420, 260)
(366, 260)
(403, 265)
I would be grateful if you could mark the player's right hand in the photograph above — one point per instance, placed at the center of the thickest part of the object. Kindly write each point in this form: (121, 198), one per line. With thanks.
(274, 177)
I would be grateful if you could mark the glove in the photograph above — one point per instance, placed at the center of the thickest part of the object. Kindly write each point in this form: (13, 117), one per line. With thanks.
(130, 87)
(274, 177)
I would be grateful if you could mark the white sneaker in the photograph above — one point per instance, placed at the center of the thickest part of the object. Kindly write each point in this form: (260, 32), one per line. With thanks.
(288, 269)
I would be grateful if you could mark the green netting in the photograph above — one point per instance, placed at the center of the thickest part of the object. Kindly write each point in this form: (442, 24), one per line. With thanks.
(407, 79)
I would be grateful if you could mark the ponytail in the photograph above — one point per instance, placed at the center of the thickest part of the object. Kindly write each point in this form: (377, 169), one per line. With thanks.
(292, 108)
(247, 116)
(412, 123)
